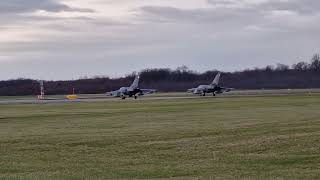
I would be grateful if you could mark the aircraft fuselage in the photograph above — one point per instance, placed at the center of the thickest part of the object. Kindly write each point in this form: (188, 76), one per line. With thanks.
(202, 89)
(126, 91)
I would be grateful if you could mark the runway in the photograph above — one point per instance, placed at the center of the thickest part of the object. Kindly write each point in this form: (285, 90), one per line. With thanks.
(88, 98)
(85, 99)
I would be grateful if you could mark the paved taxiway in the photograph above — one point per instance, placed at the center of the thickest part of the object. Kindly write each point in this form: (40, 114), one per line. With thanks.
(157, 96)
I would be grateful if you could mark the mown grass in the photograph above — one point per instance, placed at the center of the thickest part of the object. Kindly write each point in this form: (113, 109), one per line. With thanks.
(206, 138)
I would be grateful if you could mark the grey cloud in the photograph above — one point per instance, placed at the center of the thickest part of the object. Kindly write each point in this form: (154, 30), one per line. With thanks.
(226, 15)
(300, 6)
(207, 16)
(22, 6)
(224, 37)
(14, 13)
(221, 2)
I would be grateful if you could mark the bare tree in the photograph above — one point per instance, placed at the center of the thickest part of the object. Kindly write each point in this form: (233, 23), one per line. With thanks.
(315, 63)
(282, 67)
(301, 66)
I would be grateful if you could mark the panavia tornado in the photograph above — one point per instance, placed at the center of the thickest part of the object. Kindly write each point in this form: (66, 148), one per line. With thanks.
(132, 91)
(213, 88)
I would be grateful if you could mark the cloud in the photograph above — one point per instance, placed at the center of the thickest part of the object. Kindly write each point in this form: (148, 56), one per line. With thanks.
(264, 15)
(38, 36)
(207, 15)
(23, 6)
(299, 6)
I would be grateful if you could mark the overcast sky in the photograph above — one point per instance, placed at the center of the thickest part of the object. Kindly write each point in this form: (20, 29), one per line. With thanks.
(68, 39)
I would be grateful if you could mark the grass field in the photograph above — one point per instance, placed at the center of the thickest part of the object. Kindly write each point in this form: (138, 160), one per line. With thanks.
(206, 138)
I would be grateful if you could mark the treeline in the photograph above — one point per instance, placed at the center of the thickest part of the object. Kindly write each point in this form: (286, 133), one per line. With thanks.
(280, 76)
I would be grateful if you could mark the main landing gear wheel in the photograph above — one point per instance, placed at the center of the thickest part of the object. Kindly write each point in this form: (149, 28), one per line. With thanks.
(135, 97)
(204, 94)
(214, 94)
(123, 97)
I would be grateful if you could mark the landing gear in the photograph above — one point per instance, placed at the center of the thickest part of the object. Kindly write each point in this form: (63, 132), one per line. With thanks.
(123, 97)
(203, 94)
(135, 97)
(213, 94)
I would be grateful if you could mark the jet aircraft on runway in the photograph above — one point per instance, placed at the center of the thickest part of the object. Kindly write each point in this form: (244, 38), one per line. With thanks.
(132, 91)
(213, 88)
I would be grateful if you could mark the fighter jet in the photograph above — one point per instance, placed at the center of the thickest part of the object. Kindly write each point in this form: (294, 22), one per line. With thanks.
(213, 88)
(132, 91)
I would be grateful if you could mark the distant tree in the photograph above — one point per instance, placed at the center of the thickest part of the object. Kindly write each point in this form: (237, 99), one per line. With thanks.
(269, 68)
(301, 66)
(282, 67)
(84, 77)
(302, 75)
(315, 63)
(182, 69)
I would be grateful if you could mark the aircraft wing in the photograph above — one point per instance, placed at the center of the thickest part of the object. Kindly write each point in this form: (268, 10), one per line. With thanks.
(148, 91)
(113, 93)
(227, 89)
(191, 90)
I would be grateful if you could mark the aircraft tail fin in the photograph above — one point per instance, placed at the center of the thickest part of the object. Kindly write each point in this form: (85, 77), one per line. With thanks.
(216, 79)
(135, 83)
